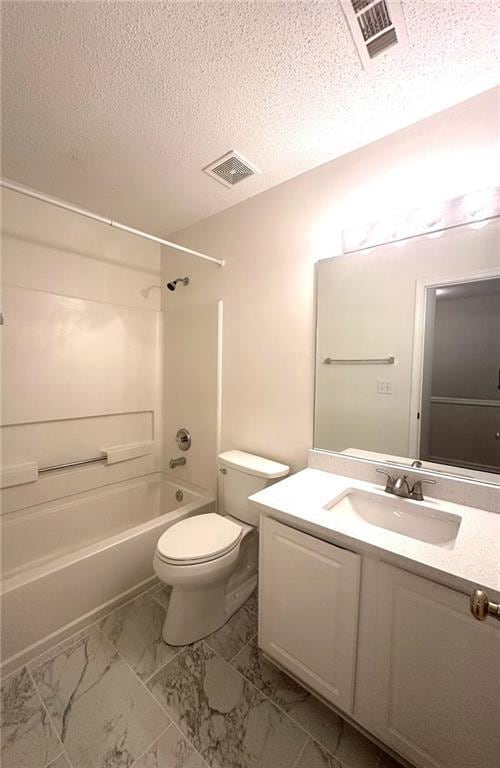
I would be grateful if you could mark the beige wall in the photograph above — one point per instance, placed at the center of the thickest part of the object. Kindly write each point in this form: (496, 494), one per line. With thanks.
(270, 243)
(190, 342)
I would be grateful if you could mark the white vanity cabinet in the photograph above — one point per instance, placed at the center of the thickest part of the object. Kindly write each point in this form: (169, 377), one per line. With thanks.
(429, 682)
(308, 604)
(419, 672)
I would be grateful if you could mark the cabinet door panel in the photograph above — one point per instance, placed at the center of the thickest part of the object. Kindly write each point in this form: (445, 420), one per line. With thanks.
(438, 674)
(309, 593)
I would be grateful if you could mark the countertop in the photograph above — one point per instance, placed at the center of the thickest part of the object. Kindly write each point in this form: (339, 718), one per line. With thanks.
(473, 561)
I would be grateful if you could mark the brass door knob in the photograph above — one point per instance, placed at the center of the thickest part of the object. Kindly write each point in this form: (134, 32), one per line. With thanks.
(481, 607)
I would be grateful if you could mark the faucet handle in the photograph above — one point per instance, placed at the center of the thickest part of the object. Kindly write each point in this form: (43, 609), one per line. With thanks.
(389, 486)
(416, 489)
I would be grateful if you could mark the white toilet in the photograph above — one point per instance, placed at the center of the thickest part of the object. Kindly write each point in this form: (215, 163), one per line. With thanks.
(211, 560)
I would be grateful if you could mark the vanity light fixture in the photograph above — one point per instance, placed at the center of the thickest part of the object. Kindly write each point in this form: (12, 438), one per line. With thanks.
(478, 204)
(358, 238)
(474, 208)
(430, 218)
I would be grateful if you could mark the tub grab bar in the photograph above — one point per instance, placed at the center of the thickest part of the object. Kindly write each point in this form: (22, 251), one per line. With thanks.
(21, 474)
(73, 464)
(360, 361)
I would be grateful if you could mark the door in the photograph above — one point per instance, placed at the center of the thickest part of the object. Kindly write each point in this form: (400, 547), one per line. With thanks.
(309, 592)
(436, 698)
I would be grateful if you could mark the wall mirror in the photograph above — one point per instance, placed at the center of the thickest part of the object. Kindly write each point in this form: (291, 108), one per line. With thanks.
(408, 349)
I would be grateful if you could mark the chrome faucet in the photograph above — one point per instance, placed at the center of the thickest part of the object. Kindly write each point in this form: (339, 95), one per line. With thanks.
(173, 463)
(399, 486)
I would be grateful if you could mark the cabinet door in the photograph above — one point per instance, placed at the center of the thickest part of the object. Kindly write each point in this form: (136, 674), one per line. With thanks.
(437, 689)
(309, 593)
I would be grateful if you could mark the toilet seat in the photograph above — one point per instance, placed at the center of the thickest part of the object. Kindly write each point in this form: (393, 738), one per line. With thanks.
(198, 539)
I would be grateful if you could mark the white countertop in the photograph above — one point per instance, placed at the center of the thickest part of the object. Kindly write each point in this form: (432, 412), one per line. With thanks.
(473, 561)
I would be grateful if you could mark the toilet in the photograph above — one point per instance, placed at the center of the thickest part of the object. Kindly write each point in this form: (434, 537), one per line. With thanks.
(211, 560)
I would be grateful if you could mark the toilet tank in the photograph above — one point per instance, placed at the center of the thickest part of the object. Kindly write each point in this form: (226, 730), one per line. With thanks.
(244, 474)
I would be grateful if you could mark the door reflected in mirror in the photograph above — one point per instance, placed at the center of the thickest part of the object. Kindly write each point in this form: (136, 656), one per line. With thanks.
(408, 352)
(461, 375)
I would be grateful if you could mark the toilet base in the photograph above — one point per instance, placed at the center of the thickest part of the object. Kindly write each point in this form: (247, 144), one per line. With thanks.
(193, 615)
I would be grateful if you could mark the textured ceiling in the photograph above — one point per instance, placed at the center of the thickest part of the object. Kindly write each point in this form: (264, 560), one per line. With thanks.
(116, 106)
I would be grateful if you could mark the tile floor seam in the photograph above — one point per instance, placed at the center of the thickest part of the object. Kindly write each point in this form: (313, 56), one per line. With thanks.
(147, 679)
(95, 624)
(340, 763)
(246, 680)
(242, 647)
(151, 745)
(296, 761)
(256, 612)
(56, 759)
(283, 711)
(205, 762)
(290, 717)
(173, 723)
(122, 605)
(53, 725)
(150, 694)
(156, 599)
(15, 671)
(71, 640)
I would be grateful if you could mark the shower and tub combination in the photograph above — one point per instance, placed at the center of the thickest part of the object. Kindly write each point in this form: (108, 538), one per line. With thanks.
(76, 544)
(65, 564)
(82, 368)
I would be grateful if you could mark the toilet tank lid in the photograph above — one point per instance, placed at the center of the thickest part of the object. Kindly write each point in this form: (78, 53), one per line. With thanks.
(253, 465)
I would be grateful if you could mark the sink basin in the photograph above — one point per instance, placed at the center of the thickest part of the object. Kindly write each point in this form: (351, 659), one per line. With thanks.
(413, 519)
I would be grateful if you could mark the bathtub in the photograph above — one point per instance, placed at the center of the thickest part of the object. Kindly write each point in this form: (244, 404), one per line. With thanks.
(66, 563)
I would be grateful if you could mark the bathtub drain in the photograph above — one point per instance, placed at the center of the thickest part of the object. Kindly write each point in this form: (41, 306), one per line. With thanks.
(179, 495)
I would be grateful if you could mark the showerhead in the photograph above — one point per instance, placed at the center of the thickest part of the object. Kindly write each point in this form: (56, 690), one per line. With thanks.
(173, 285)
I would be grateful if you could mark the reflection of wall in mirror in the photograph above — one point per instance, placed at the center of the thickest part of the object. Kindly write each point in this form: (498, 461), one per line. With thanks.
(366, 308)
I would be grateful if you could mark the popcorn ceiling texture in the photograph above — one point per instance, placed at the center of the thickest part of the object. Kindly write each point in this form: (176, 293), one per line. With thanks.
(117, 106)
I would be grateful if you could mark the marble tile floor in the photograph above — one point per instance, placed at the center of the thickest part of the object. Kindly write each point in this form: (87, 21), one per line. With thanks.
(116, 696)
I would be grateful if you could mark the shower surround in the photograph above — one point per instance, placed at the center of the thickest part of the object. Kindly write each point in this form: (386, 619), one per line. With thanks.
(81, 378)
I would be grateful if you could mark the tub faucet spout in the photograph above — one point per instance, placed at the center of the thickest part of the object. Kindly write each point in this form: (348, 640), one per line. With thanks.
(173, 463)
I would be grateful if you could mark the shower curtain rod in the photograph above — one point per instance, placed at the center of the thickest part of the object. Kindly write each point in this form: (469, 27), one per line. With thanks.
(103, 220)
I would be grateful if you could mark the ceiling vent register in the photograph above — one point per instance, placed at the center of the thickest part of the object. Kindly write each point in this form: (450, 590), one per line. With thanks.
(376, 26)
(231, 169)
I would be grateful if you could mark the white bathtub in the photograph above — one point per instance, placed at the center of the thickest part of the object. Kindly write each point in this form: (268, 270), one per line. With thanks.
(65, 563)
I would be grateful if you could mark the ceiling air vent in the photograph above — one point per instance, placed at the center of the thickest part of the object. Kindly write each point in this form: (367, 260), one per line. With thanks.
(376, 26)
(231, 169)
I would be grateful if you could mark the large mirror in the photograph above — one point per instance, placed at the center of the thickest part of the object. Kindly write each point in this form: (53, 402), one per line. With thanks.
(408, 352)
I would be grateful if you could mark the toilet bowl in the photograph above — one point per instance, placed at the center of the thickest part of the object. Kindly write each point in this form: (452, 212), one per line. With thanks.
(211, 560)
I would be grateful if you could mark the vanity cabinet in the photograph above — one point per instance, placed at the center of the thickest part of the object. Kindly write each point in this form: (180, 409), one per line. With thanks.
(419, 673)
(434, 694)
(308, 603)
